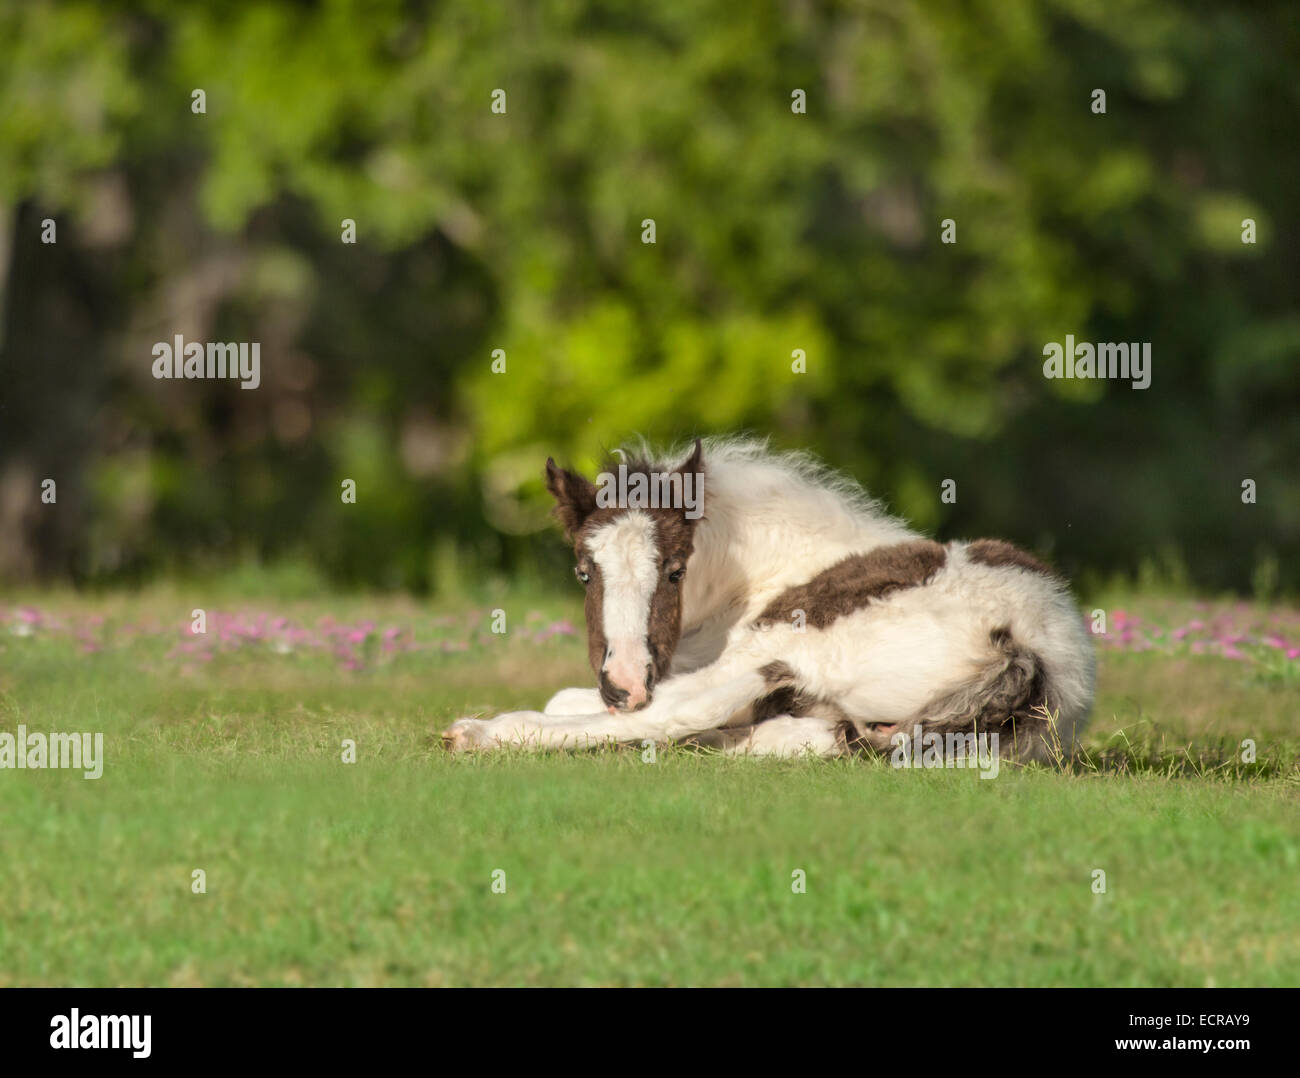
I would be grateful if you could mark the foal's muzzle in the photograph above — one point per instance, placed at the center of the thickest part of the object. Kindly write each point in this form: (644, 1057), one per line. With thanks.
(621, 699)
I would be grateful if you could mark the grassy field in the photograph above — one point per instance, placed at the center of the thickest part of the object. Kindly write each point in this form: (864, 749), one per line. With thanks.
(223, 752)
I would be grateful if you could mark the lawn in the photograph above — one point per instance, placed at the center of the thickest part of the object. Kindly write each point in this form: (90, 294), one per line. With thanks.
(224, 753)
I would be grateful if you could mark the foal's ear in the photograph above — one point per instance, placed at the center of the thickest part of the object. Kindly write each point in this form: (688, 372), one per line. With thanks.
(575, 497)
(694, 464)
(693, 487)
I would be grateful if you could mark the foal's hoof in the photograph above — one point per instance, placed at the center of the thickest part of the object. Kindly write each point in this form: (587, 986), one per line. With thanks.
(465, 735)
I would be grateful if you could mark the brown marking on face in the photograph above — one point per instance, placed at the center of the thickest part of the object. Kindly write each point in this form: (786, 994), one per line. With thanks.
(674, 537)
(580, 516)
(593, 599)
(859, 579)
(996, 552)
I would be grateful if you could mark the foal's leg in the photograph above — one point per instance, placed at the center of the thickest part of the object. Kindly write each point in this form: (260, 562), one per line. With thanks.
(574, 702)
(684, 706)
(787, 735)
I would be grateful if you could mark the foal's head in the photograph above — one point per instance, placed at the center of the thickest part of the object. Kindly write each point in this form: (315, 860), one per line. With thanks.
(632, 536)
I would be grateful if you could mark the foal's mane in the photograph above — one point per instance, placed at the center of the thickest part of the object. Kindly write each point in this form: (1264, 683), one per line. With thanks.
(734, 455)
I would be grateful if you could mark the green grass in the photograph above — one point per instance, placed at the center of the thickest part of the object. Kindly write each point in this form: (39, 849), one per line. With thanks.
(617, 871)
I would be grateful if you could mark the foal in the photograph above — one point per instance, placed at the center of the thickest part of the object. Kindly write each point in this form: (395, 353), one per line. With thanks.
(796, 616)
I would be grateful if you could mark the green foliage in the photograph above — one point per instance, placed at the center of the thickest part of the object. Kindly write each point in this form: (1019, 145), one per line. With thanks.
(775, 231)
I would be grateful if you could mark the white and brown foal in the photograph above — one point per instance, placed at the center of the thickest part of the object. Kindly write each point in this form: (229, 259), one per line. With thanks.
(796, 616)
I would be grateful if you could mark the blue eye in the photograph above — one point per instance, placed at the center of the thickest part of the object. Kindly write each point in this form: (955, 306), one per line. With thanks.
(585, 578)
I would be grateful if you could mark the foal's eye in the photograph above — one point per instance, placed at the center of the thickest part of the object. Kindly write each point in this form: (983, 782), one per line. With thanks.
(676, 575)
(584, 577)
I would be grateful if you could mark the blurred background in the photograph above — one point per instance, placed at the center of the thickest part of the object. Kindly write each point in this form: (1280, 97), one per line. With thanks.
(522, 231)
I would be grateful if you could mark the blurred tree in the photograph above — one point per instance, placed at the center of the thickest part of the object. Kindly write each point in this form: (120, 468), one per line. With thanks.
(522, 230)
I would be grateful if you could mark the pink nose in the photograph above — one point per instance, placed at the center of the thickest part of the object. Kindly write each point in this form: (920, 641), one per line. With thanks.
(625, 677)
(628, 693)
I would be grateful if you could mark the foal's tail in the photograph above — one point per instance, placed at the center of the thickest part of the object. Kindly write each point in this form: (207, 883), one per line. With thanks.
(1010, 696)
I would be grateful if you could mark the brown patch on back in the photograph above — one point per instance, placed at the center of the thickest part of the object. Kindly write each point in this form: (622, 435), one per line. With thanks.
(859, 579)
(996, 552)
